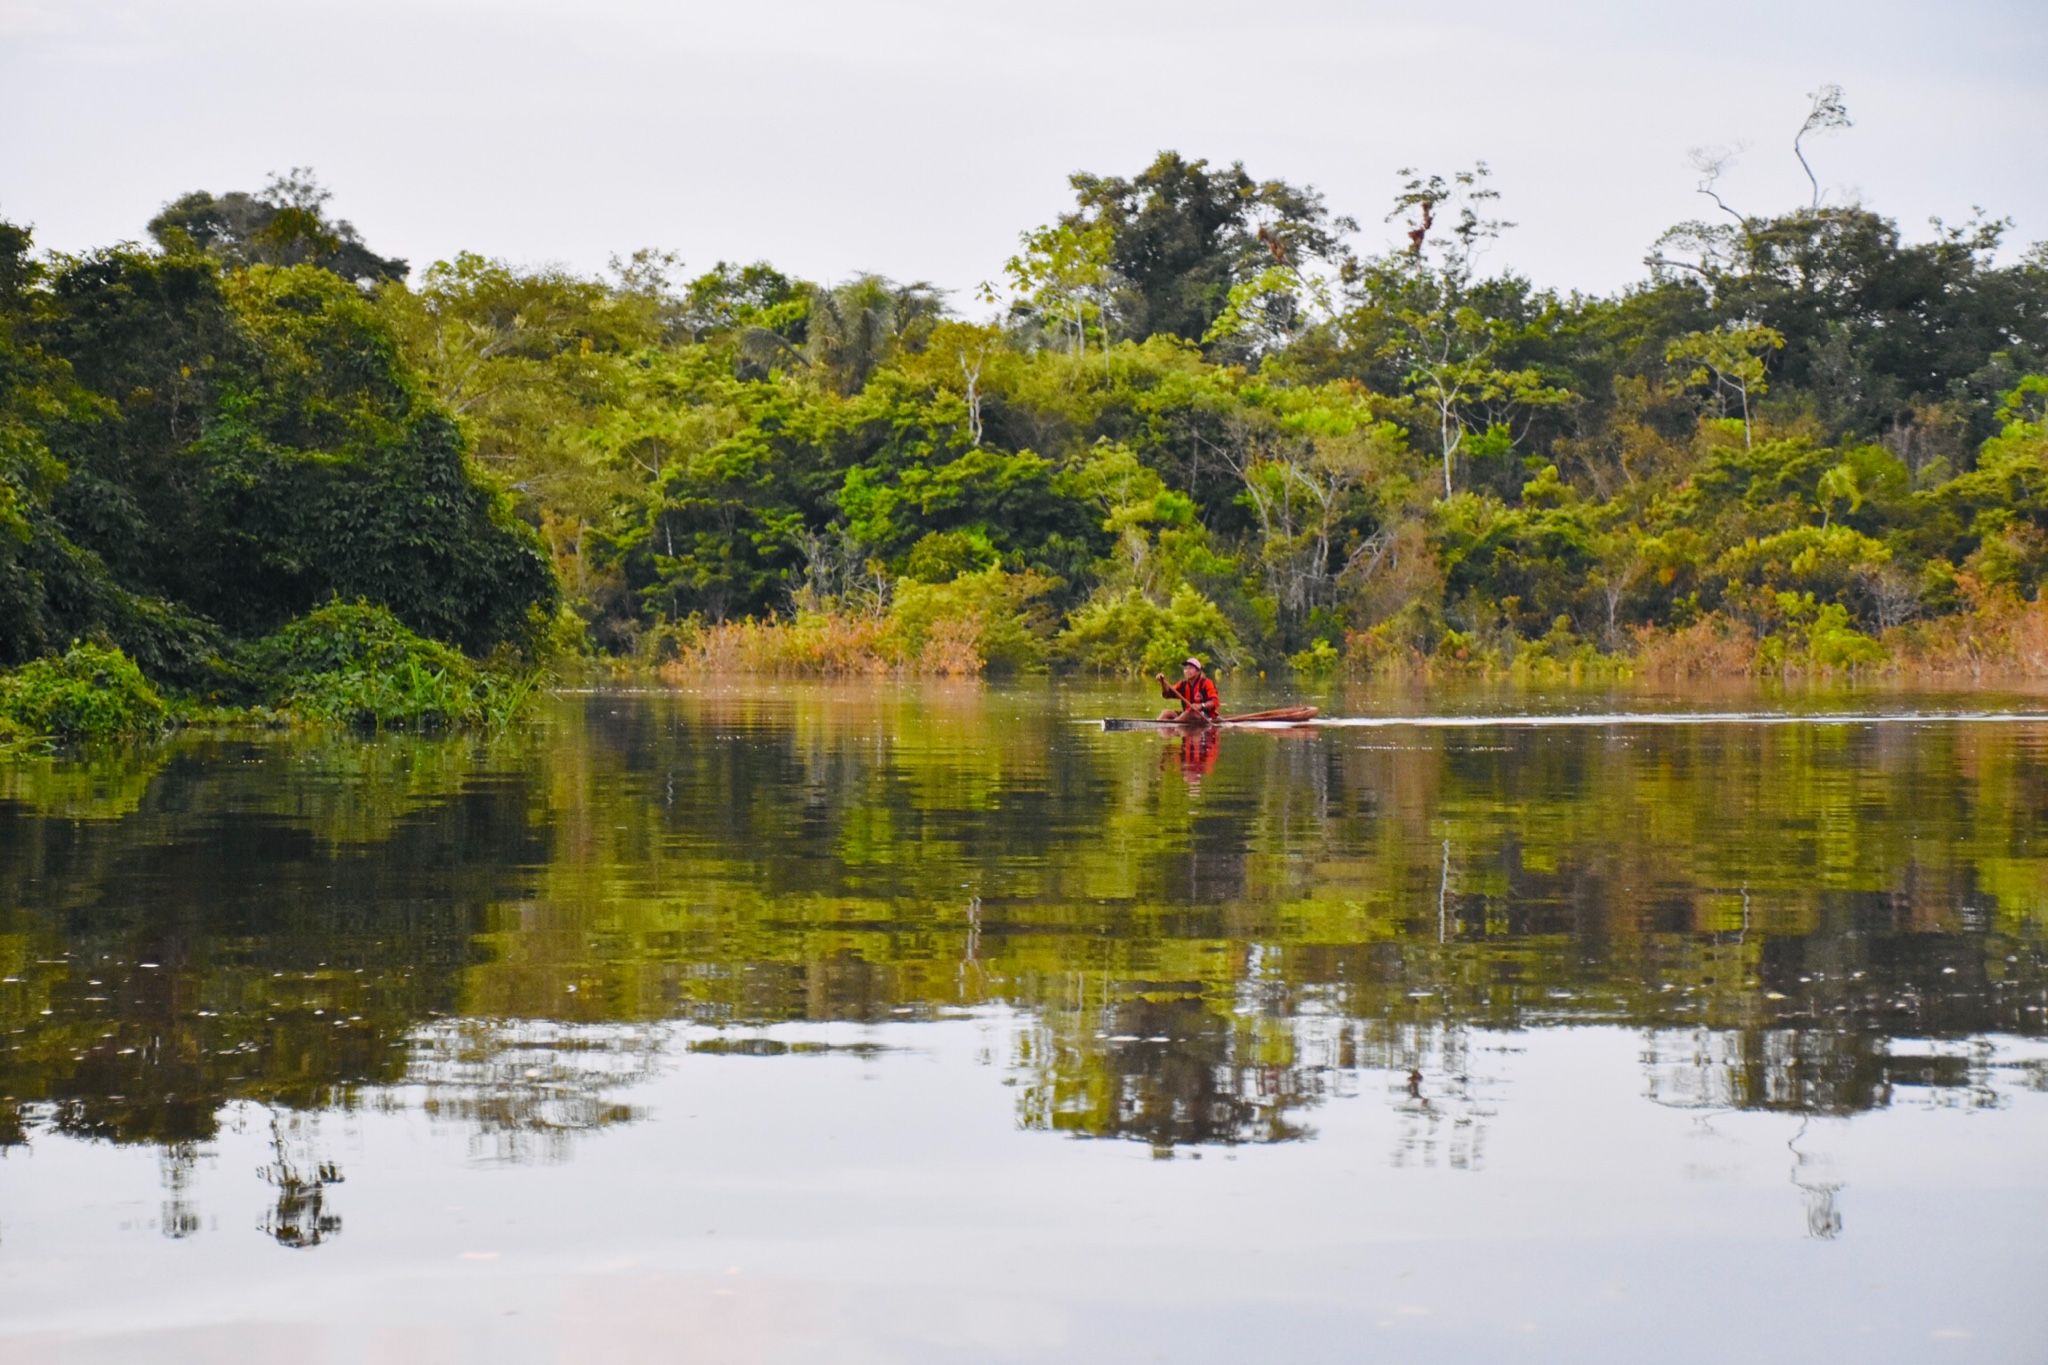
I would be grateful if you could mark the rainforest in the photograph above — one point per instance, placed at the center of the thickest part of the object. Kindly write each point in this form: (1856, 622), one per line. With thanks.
(253, 462)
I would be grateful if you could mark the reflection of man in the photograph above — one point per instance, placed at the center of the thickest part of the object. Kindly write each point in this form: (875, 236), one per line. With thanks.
(1198, 754)
(1194, 693)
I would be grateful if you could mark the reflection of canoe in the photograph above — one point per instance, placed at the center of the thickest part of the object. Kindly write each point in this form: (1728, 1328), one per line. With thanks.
(1286, 715)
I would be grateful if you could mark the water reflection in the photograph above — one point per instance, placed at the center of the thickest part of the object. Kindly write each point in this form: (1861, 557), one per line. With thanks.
(1208, 936)
(299, 1217)
(1194, 754)
(523, 1090)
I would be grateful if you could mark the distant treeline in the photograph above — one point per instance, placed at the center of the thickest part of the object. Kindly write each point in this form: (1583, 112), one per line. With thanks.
(1205, 422)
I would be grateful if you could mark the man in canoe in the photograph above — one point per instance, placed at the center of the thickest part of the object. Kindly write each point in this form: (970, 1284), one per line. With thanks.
(1194, 693)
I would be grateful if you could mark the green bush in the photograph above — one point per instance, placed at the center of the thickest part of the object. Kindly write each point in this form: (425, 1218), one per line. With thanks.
(1835, 643)
(943, 556)
(91, 692)
(992, 618)
(358, 664)
(1319, 660)
(1129, 633)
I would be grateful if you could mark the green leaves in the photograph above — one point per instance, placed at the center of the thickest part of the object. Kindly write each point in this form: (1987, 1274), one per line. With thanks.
(331, 473)
(356, 664)
(1128, 634)
(90, 692)
(1199, 387)
(1063, 274)
(1160, 253)
(1439, 333)
(1730, 361)
(986, 619)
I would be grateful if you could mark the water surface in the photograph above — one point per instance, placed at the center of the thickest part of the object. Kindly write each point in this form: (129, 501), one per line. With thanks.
(818, 1023)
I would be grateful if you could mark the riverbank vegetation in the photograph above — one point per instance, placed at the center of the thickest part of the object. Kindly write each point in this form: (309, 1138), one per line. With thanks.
(1198, 415)
(88, 692)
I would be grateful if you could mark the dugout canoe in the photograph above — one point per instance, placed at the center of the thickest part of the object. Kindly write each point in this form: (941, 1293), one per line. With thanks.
(1285, 715)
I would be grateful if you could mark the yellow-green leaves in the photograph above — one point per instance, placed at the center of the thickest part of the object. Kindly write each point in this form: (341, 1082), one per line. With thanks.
(1128, 633)
(1063, 275)
(1729, 361)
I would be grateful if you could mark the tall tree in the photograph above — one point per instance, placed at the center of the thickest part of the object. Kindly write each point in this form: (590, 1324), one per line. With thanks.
(284, 223)
(1181, 235)
(1428, 312)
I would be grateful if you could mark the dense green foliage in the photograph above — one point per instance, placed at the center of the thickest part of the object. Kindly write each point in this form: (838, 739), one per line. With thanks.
(1803, 429)
(1205, 422)
(88, 692)
(359, 665)
(193, 452)
(285, 224)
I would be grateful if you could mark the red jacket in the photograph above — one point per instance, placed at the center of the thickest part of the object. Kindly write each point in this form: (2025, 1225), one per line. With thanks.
(1197, 692)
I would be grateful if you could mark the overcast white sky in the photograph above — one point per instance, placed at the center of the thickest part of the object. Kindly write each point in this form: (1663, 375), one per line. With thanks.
(918, 137)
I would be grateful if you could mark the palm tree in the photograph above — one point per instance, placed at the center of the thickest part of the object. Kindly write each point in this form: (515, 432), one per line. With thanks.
(859, 325)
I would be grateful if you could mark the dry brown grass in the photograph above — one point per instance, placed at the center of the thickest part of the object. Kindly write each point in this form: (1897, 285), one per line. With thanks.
(2002, 638)
(1712, 648)
(830, 645)
(952, 649)
(958, 629)
(1998, 638)
(812, 644)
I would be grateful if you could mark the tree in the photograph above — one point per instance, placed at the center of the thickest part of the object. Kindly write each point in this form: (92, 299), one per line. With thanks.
(54, 586)
(284, 223)
(1877, 328)
(718, 534)
(1182, 235)
(1310, 491)
(328, 471)
(1827, 114)
(255, 444)
(1888, 338)
(1063, 275)
(857, 326)
(1441, 332)
(1731, 360)
(526, 359)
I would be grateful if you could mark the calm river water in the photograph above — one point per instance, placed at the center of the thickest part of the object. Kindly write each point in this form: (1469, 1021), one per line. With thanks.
(864, 1024)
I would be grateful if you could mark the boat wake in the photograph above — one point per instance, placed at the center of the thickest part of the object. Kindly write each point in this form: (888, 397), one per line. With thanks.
(1684, 718)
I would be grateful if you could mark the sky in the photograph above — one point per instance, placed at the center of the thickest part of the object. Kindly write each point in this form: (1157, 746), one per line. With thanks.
(918, 138)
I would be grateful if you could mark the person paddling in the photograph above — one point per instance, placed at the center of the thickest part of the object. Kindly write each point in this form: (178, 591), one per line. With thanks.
(1195, 693)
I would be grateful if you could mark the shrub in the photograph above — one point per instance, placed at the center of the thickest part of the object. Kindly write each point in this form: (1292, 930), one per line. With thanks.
(1999, 636)
(358, 664)
(1400, 646)
(1834, 643)
(811, 642)
(983, 621)
(1129, 633)
(1712, 647)
(990, 619)
(91, 692)
(1319, 660)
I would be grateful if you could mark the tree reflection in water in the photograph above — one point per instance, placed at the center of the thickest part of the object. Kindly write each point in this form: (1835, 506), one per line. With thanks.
(1812, 1173)
(298, 1218)
(1163, 1069)
(524, 1090)
(1202, 943)
(175, 1163)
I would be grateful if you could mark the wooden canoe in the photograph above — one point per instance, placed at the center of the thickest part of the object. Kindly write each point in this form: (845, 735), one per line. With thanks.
(1285, 715)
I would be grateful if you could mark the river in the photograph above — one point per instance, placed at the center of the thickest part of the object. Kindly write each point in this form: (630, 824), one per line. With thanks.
(875, 1022)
